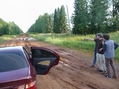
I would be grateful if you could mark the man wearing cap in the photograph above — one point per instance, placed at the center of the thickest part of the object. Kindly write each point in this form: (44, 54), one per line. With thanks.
(98, 53)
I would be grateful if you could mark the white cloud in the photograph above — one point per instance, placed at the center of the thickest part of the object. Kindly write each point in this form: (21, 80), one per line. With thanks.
(25, 12)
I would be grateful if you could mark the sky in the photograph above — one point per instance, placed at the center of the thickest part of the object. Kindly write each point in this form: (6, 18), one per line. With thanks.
(25, 12)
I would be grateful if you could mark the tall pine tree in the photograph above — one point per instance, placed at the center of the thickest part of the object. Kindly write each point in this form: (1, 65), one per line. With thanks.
(80, 17)
(63, 20)
(60, 21)
(56, 26)
(115, 15)
(98, 15)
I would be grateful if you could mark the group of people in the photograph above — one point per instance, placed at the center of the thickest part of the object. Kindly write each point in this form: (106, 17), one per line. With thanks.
(104, 54)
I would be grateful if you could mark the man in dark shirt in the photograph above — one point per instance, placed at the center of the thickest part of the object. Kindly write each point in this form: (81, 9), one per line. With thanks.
(100, 53)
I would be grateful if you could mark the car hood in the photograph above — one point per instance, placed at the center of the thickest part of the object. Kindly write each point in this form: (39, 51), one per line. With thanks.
(14, 75)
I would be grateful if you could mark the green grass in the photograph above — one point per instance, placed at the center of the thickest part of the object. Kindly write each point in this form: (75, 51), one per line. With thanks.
(74, 41)
(65, 40)
(6, 37)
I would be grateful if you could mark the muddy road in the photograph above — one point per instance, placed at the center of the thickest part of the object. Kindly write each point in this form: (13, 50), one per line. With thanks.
(73, 71)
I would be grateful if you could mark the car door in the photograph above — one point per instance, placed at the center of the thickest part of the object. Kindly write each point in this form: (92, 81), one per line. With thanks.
(44, 59)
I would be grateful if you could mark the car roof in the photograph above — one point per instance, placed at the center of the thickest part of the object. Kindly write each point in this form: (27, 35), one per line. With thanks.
(11, 48)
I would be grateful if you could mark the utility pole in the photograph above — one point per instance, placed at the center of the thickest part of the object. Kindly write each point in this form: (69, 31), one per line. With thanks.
(68, 20)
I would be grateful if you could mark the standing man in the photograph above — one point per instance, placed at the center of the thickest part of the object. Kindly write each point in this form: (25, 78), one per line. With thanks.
(109, 46)
(99, 53)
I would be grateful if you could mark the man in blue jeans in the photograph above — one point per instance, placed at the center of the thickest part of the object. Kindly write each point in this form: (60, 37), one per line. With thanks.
(94, 60)
(95, 49)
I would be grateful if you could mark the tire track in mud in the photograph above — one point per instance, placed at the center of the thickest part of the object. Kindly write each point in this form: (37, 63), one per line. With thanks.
(79, 67)
(73, 77)
(74, 71)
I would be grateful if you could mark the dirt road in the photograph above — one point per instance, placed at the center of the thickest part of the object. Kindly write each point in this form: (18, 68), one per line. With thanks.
(73, 71)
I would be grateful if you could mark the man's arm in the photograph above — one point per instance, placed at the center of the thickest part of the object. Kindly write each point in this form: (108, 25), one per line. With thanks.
(104, 47)
(88, 39)
(116, 45)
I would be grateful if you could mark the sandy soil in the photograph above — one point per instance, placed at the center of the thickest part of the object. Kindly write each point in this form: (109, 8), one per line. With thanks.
(73, 70)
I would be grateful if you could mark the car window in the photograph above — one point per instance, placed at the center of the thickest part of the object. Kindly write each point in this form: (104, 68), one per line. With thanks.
(42, 53)
(12, 61)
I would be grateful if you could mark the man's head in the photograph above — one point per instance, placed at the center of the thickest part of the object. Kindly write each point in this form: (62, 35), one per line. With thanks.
(106, 36)
(99, 35)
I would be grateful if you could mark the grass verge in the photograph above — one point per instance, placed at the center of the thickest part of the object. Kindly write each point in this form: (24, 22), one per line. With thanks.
(74, 41)
(6, 37)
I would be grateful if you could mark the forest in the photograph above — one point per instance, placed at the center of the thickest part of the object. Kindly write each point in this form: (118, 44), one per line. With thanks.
(9, 28)
(89, 17)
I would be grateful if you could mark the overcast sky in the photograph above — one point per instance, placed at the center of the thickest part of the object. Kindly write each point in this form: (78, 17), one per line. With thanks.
(25, 12)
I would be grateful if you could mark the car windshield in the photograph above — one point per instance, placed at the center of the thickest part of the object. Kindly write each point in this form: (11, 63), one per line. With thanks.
(12, 61)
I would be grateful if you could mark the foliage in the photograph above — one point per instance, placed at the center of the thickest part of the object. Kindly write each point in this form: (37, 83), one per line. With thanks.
(56, 25)
(80, 17)
(9, 28)
(98, 14)
(115, 14)
(62, 20)
(90, 16)
(46, 23)
(43, 24)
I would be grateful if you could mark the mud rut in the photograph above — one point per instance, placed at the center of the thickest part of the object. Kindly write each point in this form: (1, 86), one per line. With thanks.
(73, 71)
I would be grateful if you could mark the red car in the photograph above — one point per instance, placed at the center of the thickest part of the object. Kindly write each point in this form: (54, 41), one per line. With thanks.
(18, 68)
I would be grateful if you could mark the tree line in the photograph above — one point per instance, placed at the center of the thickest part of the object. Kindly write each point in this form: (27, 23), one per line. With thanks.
(53, 23)
(9, 28)
(92, 16)
(89, 17)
